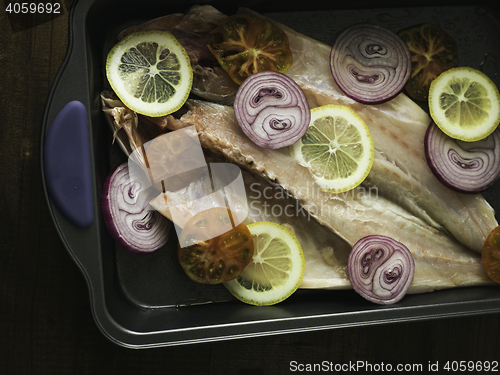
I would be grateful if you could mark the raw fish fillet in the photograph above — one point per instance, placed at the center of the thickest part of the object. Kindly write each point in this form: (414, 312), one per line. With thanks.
(400, 170)
(325, 253)
(441, 262)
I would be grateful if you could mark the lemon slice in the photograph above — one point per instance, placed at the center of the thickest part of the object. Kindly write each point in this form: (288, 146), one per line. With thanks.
(150, 72)
(277, 267)
(465, 104)
(337, 148)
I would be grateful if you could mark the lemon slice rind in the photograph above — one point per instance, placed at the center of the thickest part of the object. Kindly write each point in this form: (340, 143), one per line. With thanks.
(464, 84)
(364, 162)
(286, 259)
(129, 85)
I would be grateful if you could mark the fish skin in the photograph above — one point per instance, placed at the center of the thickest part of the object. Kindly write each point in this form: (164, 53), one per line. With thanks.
(441, 262)
(400, 170)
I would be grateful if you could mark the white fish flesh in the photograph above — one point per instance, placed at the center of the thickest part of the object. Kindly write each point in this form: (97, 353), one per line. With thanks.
(441, 262)
(326, 253)
(400, 170)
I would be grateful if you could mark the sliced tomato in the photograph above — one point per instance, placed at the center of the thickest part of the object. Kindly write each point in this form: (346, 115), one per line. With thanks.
(491, 255)
(211, 249)
(432, 52)
(244, 45)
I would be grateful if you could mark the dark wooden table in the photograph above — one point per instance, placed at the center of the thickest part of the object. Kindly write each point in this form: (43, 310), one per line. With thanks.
(46, 325)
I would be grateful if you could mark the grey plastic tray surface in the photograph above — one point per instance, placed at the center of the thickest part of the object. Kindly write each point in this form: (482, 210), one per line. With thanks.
(147, 301)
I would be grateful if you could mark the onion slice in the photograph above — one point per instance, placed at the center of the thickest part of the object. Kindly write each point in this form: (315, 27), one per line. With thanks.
(466, 167)
(370, 63)
(380, 269)
(272, 110)
(131, 222)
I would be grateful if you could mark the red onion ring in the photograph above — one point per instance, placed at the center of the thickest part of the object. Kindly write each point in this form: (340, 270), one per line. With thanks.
(271, 109)
(466, 167)
(380, 269)
(370, 63)
(134, 225)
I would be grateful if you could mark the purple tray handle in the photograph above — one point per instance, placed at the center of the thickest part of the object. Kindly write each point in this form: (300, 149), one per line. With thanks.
(67, 165)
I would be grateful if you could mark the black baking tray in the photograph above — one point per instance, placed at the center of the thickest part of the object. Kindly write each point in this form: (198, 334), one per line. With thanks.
(146, 301)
